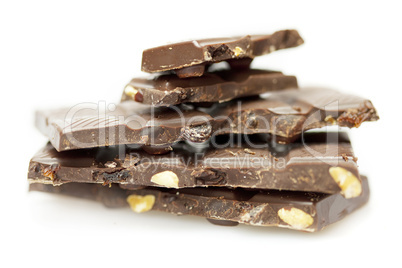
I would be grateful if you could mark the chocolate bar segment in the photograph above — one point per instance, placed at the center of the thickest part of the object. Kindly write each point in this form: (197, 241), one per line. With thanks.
(189, 58)
(319, 162)
(91, 125)
(284, 115)
(220, 86)
(305, 211)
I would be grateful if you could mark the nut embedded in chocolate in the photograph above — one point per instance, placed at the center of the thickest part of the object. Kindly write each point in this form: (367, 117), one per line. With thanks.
(350, 185)
(295, 218)
(166, 178)
(139, 203)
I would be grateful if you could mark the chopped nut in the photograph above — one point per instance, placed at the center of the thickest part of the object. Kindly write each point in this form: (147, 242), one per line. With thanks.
(50, 171)
(47, 172)
(350, 185)
(130, 91)
(110, 164)
(207, 56)
(330, 120)
(166, 178)
(248, 151)
(230, 152)
(139, 203)
(345, 157)
(296, 218)
(238, 51)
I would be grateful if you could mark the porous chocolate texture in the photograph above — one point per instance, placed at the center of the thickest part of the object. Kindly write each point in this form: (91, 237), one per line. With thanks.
(304, 211)
(320, 162)
(284, 114)
(220, 86)
(189, 58)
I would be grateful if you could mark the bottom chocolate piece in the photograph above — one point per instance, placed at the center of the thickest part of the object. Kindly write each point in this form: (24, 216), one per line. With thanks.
(305, 211)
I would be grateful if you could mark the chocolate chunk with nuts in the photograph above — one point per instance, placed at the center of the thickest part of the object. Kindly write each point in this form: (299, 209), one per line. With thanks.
(312, 164)
(302, 211)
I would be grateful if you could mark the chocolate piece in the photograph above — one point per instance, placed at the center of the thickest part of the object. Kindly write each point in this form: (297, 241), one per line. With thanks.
(240, 64)
(223, 222)
(303, 211)
(86, 126)
(218, 86)
(186, 55)
(192, 71)
(314, 164)
(157, 149)
(284, 115)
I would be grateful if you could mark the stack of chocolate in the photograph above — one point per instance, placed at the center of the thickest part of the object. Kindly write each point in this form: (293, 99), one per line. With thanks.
(202, 139)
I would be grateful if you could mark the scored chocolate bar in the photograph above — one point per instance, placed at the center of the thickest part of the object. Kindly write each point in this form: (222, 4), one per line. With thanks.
(189, 58)
(220, 86)
(303, 211)
(320, 162)
(284, 115)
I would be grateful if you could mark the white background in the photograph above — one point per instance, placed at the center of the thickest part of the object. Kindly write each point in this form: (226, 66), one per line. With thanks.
(58, 53)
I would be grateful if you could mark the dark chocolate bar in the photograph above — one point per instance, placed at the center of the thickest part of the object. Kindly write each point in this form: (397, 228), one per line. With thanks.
(303, 211)
(284, 115)
(320, 162)
(220, 86)
(189, 58)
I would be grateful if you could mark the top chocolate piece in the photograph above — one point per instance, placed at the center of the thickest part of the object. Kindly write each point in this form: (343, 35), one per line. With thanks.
(197, 53)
